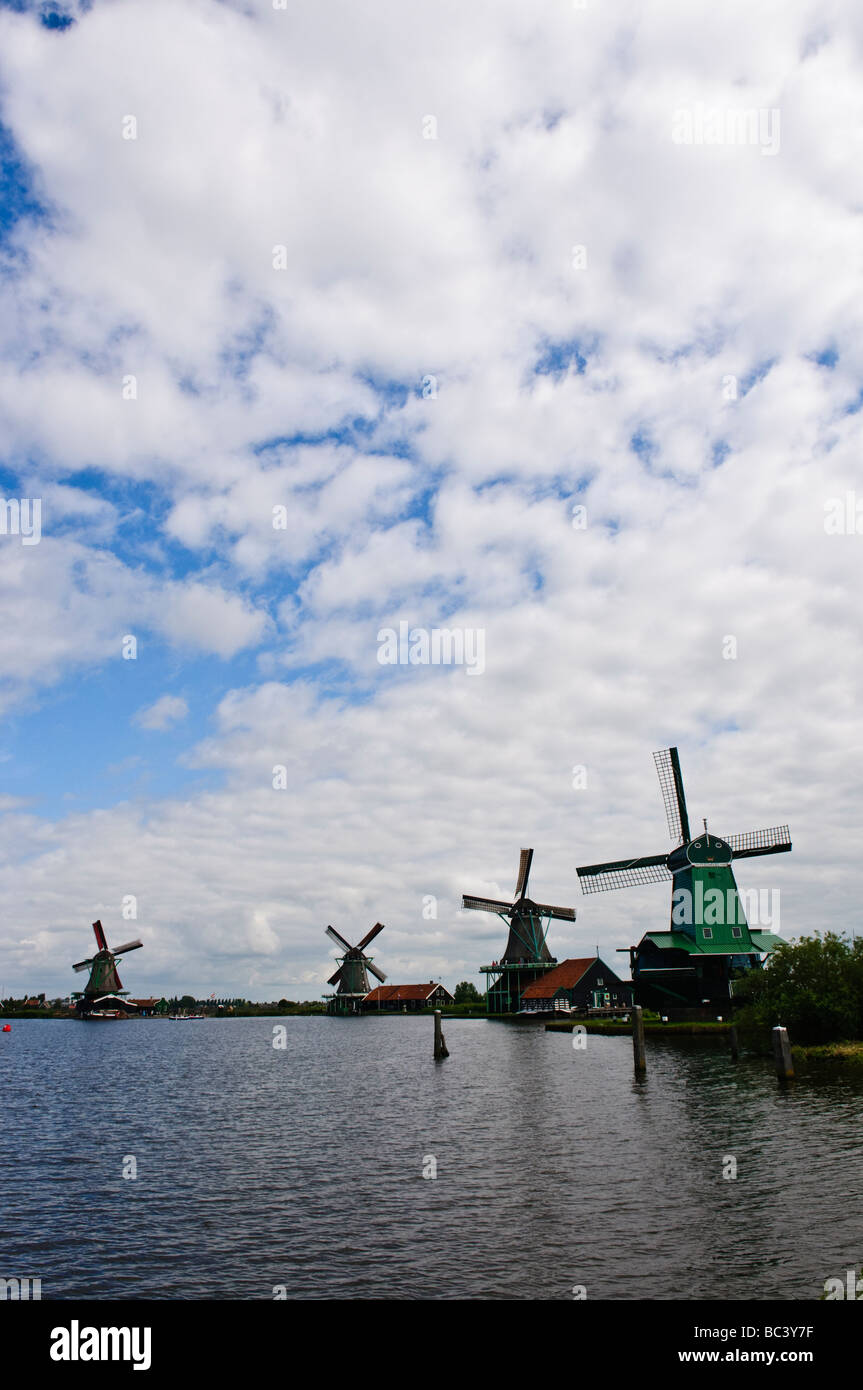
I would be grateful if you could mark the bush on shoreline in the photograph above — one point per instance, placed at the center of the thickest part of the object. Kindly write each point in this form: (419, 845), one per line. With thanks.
(813, 987)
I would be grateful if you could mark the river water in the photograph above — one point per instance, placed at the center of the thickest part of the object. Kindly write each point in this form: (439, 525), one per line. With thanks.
(262, 1169)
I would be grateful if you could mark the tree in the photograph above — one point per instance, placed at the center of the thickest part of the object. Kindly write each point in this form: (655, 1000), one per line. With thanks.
(466, 993)
(814, 987)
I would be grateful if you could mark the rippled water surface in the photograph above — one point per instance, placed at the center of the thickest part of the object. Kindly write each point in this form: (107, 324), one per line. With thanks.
(303, 1167)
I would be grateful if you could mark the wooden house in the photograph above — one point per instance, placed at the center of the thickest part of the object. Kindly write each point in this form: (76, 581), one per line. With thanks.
(586, 983)
(407, 998)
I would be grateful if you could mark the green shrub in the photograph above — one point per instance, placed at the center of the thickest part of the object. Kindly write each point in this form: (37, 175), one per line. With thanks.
(814, 987)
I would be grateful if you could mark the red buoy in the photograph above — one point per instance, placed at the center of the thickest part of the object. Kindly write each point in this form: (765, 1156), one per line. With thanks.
(7, 1027)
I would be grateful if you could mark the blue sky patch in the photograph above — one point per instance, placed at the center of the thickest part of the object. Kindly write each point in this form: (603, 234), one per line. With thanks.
(51, 15)
(18, 200)
(827, 357)
(556, 359)
(758, 373)
(644, 445)
(86, 735)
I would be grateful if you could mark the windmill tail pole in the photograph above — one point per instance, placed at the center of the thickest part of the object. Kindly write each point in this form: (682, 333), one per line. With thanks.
(638, 1054)
(782, 1054)
(440, 1047)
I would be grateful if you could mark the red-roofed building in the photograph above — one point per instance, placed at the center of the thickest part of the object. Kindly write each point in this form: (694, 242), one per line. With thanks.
(586, 983)
(408, 998)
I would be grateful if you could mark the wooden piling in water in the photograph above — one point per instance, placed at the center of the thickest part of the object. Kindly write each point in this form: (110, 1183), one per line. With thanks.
(782, 1054)
(732, 1038)
(639, 1054)
(440, 1047)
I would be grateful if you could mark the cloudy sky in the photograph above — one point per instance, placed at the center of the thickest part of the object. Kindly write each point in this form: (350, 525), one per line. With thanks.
(539, 324)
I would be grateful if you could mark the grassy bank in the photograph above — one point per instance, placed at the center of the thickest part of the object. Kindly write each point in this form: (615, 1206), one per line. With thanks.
(656, 1030)
(830, 1052)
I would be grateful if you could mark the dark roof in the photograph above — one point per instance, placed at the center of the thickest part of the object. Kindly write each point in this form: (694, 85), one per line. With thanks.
(388, 994)
(564, 976)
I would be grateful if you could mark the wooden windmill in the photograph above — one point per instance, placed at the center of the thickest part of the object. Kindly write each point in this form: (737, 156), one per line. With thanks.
(103, 995)
(709, 942)
(527, 955)
(352, 977)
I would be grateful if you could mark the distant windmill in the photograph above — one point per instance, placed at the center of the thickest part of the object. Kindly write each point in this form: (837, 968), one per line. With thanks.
(351, 976)
(710, 940)
(527, 955)
(103, 988)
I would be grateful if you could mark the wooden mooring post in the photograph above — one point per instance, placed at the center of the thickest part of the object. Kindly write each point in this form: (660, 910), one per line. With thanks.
(782, 1054)
(639, 1055)
(732, 1039)
(440, 1047)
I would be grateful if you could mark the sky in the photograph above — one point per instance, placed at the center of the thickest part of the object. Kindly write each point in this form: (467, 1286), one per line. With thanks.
(538, 325)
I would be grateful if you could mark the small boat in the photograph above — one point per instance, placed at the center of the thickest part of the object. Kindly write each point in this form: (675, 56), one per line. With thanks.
(186, 1018)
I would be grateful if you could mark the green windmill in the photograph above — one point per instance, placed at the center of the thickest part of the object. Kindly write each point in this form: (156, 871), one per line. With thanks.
(526, 956)
(352, 977)
(709, 942)
(103, 993)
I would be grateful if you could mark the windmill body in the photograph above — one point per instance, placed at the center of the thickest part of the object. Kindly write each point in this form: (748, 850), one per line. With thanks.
(526, 956)
(709, 942)
(351, 979)
(103, 995)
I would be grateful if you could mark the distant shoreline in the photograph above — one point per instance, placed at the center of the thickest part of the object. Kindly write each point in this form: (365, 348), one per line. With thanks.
(27, 1015)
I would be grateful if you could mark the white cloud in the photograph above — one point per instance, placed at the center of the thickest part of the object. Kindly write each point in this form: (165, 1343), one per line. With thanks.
(167, 711)
(408, 258)
(208, 619)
